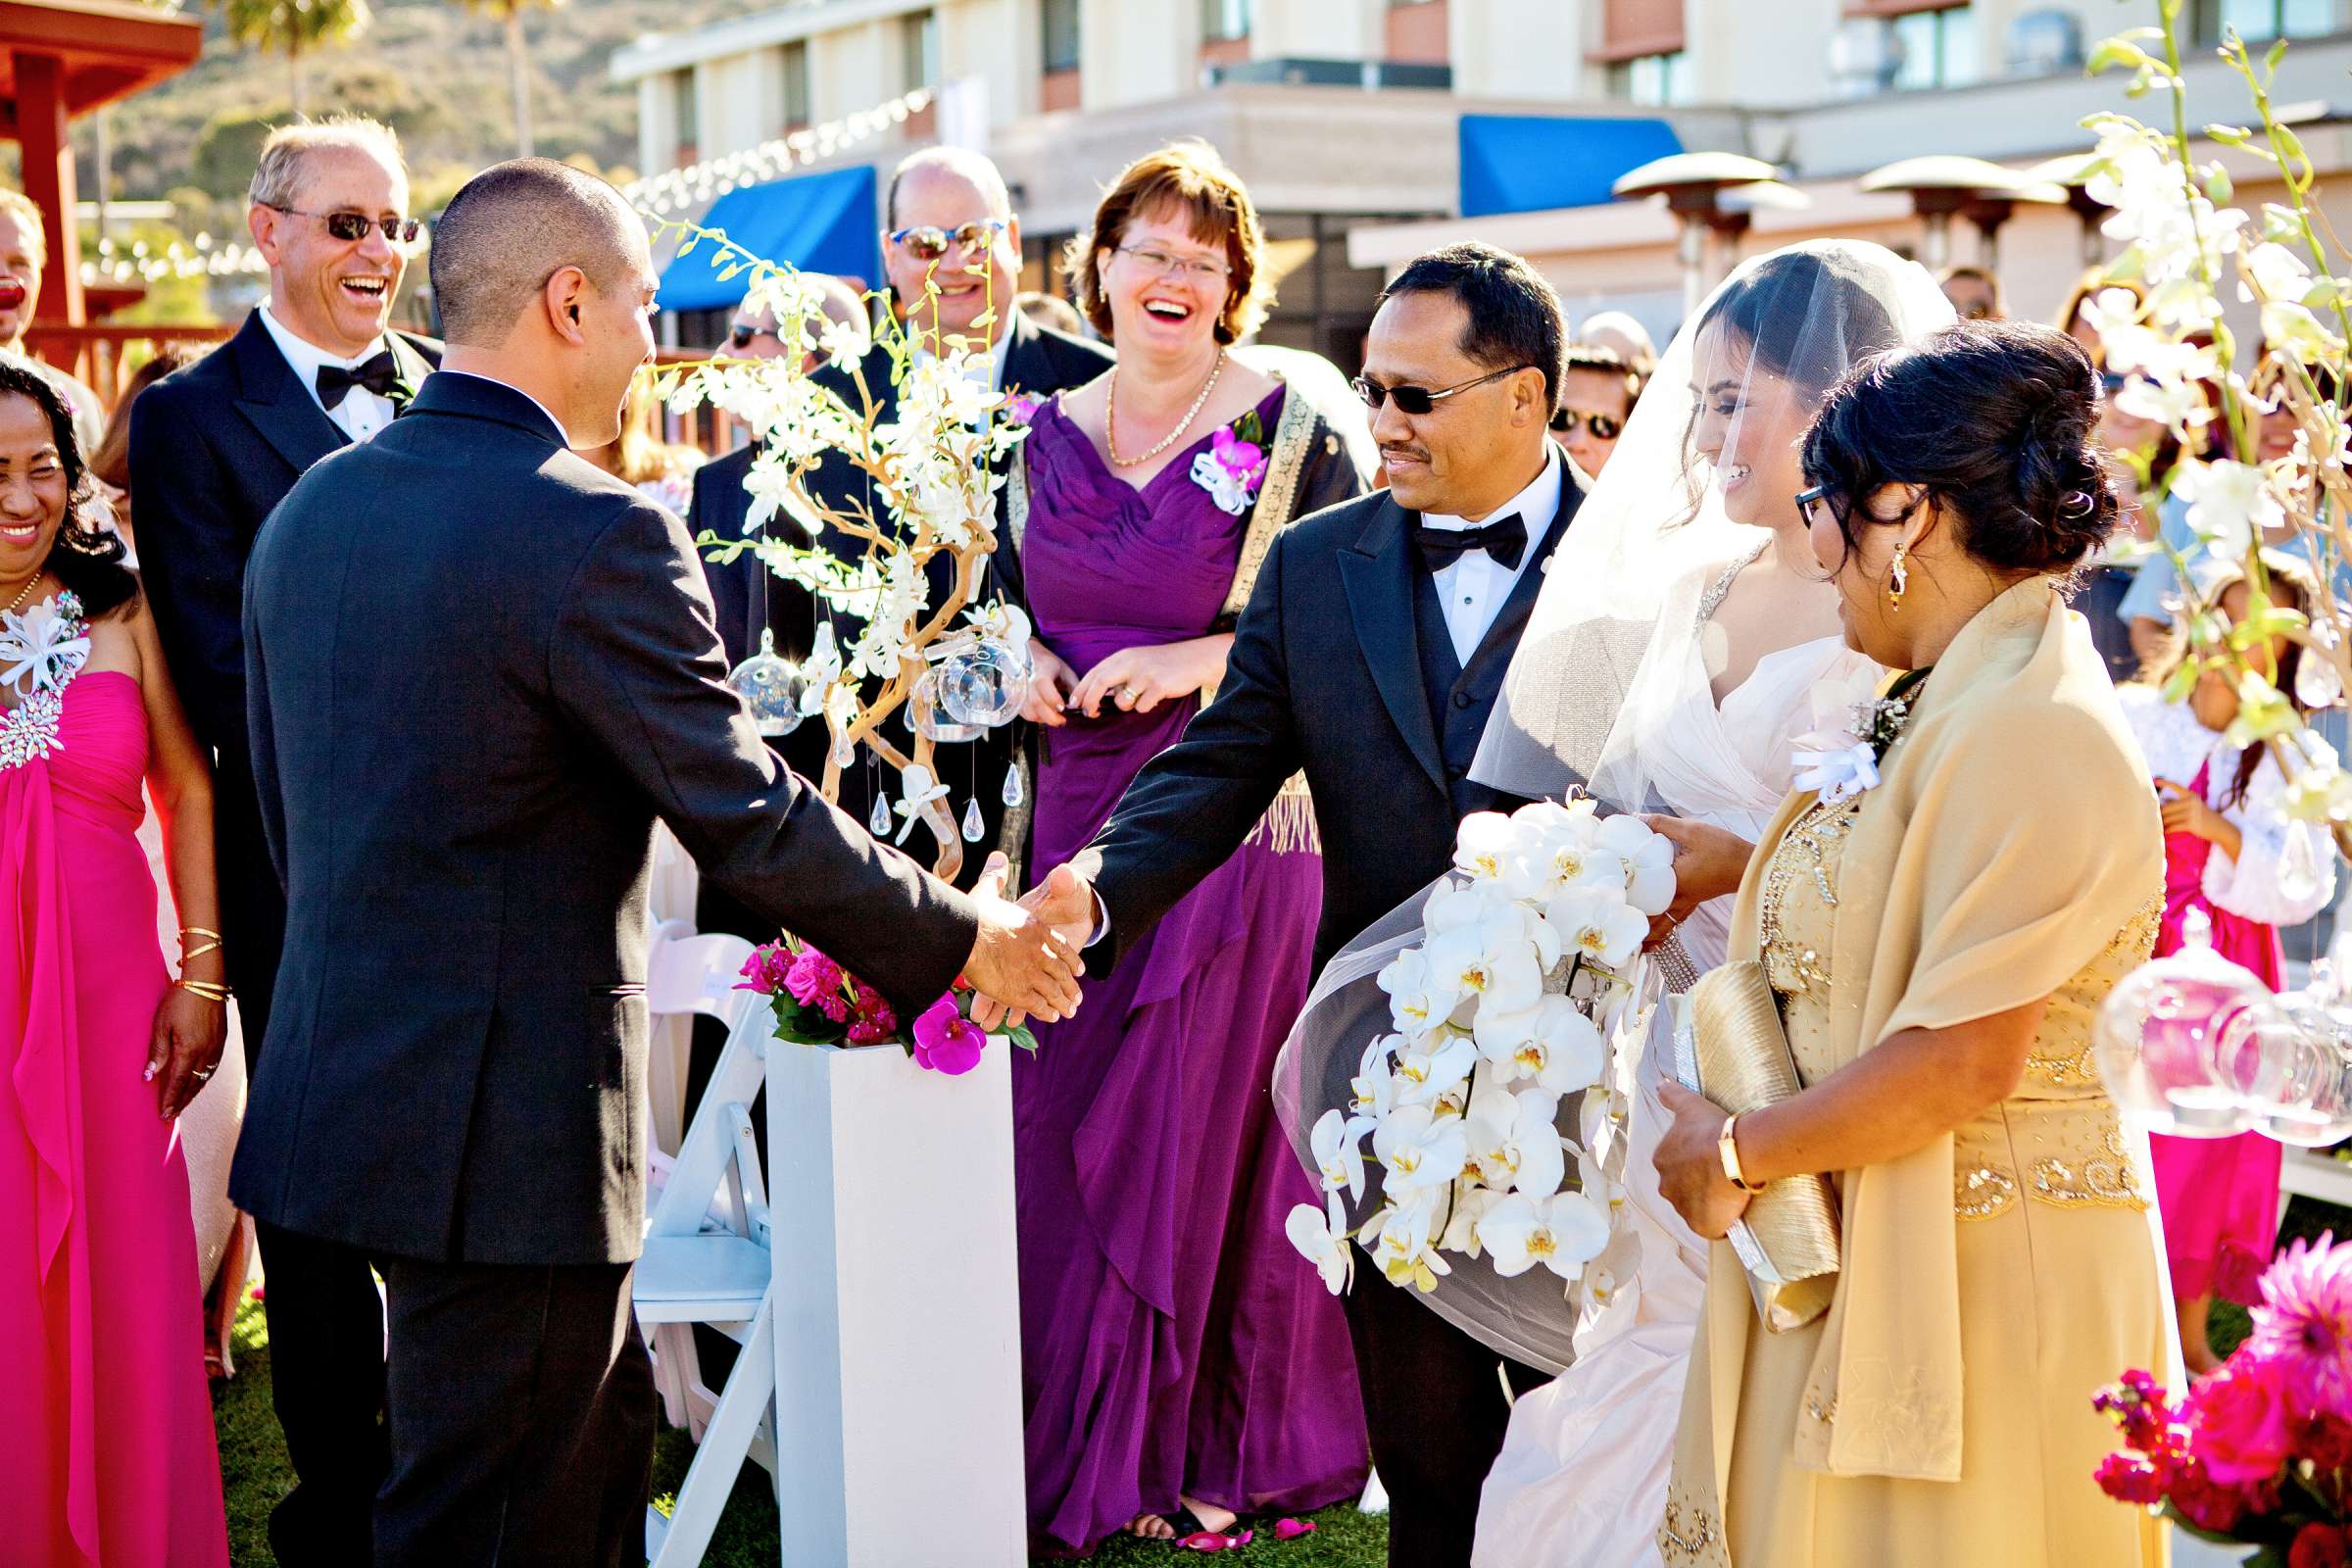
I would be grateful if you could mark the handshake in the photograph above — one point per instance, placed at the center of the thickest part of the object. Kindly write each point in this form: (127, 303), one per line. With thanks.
(1025, 962)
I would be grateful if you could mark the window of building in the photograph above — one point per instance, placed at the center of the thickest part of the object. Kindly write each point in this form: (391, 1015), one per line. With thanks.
(1940, 48)
(796, 84)
(2260, 21)
(688, 103)
(1224, 19)
(1061, 34)
(918, 50)
(1651, 80)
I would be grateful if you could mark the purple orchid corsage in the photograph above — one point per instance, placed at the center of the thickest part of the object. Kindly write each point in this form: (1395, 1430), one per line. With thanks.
(1022, 407)
(1233, 467)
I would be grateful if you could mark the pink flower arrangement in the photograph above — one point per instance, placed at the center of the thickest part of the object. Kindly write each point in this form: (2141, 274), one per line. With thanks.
(2260, 1451)
(818, 1003)
(1022, 407)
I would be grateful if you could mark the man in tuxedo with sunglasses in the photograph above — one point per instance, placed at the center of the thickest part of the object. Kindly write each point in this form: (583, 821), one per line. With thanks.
(213, 449)
(1370, 656)
(949, 220)
(1596, 398)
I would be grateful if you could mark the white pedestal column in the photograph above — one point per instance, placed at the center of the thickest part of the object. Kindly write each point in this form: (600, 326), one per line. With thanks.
(896, 1310)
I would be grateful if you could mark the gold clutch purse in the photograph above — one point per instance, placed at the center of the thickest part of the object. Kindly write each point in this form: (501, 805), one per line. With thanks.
(1730, 1046)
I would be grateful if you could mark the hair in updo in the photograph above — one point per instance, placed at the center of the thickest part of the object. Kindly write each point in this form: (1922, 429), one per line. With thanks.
(1995, 420)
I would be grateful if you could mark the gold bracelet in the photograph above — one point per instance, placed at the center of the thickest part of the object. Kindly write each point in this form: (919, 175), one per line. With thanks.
(207, 989)
(1727, 1146)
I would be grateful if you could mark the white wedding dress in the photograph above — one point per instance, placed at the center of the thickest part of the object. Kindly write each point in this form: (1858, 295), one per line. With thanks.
(1582, 1476)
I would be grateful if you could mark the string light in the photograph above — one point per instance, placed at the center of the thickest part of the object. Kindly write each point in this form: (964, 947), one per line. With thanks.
(697, 184)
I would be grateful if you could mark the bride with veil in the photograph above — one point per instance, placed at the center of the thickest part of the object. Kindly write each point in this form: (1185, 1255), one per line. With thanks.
(1696, 530)
(1682, 640)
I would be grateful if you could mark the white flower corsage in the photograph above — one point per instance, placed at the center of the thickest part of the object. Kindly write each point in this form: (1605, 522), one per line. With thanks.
(1234, 466)
(1839, 760)
(45, 646)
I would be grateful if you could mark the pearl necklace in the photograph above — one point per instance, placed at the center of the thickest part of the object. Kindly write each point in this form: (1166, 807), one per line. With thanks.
(1110, 416)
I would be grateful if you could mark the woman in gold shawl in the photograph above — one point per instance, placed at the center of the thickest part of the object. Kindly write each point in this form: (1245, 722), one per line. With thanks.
(1937, 929)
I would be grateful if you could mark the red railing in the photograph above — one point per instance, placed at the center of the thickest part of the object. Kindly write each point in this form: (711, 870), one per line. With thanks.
(103, 357)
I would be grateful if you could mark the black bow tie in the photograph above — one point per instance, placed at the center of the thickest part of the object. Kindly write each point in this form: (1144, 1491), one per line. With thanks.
(1503, 540)
(379, 374)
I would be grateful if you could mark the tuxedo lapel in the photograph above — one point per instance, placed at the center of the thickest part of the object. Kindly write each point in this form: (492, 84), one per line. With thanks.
(1376, 573)
(1027, 367)
(275, 402)
(1502, 633)
(413, 367)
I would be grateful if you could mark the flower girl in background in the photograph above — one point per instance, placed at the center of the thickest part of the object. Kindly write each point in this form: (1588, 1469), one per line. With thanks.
(2231, 855)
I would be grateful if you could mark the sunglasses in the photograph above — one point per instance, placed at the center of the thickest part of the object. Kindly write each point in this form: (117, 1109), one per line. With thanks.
(351, 228)
(1419, 400)
(1605, 427)
(929, 244)
(740, 336)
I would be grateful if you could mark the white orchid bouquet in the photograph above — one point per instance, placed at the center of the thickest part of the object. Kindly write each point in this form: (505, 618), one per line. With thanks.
(1506, 1008)
(2184, 246)
(934, 468)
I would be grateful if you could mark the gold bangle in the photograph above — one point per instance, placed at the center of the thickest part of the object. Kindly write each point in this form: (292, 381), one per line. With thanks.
(206, 989)
(1727, 1145)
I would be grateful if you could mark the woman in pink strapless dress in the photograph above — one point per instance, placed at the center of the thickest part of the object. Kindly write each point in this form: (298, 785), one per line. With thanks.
(2230, 854)
(109, 1426)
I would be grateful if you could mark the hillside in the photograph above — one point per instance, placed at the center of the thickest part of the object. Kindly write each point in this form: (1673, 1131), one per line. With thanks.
(430, 67)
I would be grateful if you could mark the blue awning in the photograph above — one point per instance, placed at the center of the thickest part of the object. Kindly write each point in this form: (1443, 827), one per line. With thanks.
(1535, 163)
(819, 223)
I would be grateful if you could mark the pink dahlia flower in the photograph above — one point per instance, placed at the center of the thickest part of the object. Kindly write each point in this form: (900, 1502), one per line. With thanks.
(2304, 1324)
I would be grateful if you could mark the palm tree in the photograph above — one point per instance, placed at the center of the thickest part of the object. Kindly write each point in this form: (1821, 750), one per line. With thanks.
(518, 59)
(295, 26)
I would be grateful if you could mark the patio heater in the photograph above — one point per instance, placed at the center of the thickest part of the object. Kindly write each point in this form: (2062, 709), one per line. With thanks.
(1985, 194)
(1708, 193)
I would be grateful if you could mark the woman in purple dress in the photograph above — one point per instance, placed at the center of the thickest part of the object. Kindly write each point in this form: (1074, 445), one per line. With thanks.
(1178, 1360)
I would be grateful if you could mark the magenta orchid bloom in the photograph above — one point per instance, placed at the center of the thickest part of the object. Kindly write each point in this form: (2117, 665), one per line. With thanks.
(945, 1041)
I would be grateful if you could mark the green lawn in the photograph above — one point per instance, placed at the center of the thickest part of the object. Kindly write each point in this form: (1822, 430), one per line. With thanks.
(253, 1469)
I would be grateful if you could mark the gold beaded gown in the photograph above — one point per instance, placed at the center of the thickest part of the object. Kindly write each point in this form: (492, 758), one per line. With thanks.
(2038, 1282)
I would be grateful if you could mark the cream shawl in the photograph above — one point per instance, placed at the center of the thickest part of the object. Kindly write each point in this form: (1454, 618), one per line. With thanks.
(2011, 837)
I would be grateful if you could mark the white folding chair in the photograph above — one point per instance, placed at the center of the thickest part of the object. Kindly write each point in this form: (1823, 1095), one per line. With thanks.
(686, 976)
(700, 1269)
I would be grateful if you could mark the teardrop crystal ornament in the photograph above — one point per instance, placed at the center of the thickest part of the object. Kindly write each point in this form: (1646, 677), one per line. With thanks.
(879, 822)
(975, 827)
(845, 752)
(2318, 682)
(1012, 786)
(771, 687)
(2300, 863)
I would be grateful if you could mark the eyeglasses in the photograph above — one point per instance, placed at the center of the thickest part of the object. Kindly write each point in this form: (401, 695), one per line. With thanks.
(351, 228)
(1605, 427)
(929, 244)
(1160, 263)
(740, 336)
(1806, 500)
(1419, 400)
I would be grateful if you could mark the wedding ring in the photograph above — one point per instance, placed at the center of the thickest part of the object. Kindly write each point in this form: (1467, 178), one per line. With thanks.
(1127, 692)
(203, 1073)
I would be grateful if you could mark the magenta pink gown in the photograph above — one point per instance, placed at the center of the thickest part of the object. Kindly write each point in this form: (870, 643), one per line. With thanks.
(107, 1423)
(2219, 1196)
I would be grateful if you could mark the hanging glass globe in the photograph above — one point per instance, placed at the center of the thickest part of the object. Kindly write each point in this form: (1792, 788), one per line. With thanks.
(985, 685)
(771, 687)
(2180, 1041)
(922, 709)
(2308, 1099)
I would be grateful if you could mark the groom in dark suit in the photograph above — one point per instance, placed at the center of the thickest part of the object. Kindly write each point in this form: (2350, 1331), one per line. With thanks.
(213, 449)
(479, 667)
(1370, 656)
(940, 196)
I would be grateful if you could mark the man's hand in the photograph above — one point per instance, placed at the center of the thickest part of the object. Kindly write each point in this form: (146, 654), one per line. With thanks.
(1065, 903)
(1019, 963)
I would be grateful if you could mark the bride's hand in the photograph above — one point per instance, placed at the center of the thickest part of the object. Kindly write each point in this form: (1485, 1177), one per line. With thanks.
(1690, 1167)
(1708, 863)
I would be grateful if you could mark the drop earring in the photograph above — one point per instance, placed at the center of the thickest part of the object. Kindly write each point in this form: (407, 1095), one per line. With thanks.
(1898, 579)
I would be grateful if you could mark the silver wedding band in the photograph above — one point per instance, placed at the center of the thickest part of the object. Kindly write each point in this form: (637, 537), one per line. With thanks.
(203, 1073)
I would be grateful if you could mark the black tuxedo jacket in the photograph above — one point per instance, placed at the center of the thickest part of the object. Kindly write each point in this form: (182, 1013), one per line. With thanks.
(212, 447)
(1037, 360)
(478, 668)
(1325, 676)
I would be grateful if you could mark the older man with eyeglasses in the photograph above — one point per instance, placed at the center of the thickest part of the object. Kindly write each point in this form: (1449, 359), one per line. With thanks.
(948, 220)
(213, 447)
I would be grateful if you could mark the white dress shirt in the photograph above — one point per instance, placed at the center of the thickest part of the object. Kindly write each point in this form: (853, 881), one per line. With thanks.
(520, 393)
(360, 413)
(1472, 589)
